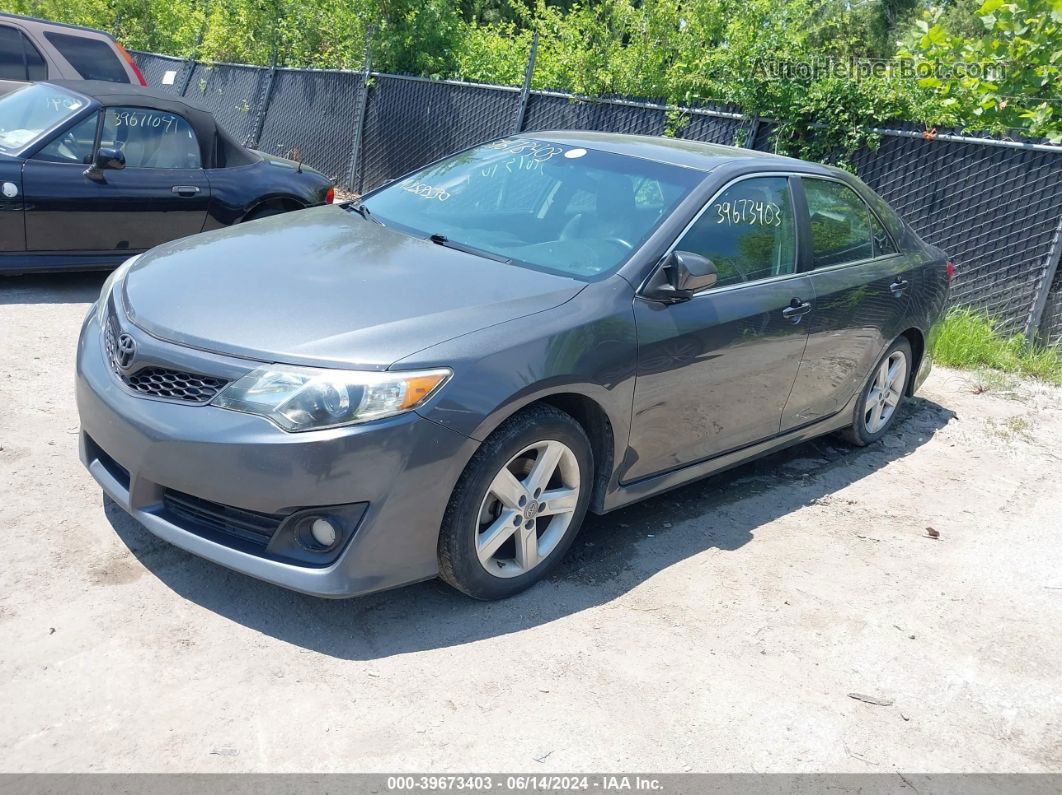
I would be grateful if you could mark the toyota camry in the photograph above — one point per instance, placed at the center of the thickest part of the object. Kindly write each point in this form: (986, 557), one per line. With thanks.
(442, 378)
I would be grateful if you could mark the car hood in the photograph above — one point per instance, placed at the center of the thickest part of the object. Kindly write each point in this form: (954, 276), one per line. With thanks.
(326, 287)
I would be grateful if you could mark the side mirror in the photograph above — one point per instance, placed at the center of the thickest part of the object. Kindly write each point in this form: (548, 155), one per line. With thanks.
(106, 157)
(690, 272)
(680, 275)
(110, 158)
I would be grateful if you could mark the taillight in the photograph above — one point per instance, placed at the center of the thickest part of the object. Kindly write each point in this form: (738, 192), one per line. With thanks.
(330, 196)
(131, 62)
(950, 270)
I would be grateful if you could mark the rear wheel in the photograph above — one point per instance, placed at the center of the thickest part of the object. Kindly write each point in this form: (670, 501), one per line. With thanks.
(262, 212)
(881, 398)
(518, 505)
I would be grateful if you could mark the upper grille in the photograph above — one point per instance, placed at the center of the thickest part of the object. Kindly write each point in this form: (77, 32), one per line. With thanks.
(174, 384)
(161, 382)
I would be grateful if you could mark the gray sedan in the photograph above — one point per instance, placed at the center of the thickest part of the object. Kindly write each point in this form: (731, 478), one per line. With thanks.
(444, 377)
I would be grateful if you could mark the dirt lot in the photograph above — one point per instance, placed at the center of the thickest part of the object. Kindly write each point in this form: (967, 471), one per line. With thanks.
(718, 628)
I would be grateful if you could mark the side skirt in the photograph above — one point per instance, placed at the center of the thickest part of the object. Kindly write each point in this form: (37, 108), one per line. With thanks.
(624, 495)
(46, 261)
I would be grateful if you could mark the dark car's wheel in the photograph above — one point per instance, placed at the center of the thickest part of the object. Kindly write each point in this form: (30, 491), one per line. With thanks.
(881, 398)
(518, 505)
(262, 212)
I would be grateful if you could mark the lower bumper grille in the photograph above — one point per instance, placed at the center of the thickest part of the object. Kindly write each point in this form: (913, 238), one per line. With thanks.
(257, 528)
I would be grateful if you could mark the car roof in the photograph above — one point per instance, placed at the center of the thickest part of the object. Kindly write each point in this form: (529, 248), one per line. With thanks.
(109, 93)
(676, 151)
(113, 94)
(51, 24)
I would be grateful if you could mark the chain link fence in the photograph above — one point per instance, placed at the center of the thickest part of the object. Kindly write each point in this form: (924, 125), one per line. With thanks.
(994, 206)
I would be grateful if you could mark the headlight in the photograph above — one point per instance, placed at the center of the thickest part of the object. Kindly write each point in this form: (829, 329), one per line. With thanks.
(105, 292)
(310, 398)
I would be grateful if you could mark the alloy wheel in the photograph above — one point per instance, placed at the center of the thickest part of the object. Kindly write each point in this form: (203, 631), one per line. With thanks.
(885, 393)
(527, 509)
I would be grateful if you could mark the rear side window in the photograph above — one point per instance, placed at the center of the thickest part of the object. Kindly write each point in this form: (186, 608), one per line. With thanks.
(842, 227)
(94, 59)
(19, 58)
(151, 138)
(748, 232)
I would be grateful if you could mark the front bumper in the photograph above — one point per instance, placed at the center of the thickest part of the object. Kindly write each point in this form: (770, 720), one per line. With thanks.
(401, 470)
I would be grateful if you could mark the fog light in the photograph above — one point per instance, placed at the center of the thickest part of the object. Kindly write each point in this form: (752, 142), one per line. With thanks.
(323, 532)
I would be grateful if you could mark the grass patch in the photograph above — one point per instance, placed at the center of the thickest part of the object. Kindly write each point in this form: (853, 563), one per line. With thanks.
(1010, 428)
(970, 340)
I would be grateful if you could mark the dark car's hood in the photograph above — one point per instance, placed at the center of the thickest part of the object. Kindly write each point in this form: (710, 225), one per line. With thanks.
(324, 286)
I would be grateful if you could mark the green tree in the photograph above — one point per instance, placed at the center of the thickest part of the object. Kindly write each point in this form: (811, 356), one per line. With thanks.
(1019, 51)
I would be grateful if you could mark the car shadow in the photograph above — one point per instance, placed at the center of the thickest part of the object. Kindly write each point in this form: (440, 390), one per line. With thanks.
(612, 555)
(52, 288)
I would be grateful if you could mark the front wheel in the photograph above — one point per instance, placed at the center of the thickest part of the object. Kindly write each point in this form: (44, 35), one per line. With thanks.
(881, 398)
(518, 506)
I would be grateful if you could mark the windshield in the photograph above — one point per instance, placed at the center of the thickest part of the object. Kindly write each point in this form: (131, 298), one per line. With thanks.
(564, 209)
(28, 113)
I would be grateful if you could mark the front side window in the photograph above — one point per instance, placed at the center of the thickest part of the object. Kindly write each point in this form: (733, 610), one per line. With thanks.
(842, 227)
(94, 59)
(151, 138)
(73, 146)
(555, 207)
(28, 114)
(748, 232)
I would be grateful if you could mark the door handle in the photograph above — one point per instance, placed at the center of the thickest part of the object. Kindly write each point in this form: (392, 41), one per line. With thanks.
(185, 190)
(796, 310)
(898, 286)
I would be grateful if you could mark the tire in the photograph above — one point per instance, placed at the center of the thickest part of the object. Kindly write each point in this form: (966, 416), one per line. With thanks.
(873, 418)
(261, 212)
(493, 542)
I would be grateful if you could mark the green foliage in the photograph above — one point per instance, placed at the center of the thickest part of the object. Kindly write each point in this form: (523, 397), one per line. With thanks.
(1022, 40)
(679, 52)
(970, 340)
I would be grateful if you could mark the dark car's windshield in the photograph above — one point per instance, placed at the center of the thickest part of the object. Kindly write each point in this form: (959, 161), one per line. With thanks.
(30, 112)
(551, 206)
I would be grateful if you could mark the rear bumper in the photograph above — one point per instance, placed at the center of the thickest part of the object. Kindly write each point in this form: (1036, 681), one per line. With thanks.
(399, 473)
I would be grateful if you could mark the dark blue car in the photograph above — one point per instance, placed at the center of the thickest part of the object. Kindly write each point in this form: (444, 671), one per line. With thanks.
(91, 172)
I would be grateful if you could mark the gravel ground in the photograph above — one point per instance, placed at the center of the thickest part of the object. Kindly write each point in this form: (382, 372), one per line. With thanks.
(722, 627)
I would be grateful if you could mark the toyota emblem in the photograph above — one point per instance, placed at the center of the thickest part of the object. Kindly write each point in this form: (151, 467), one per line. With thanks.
(124, 351)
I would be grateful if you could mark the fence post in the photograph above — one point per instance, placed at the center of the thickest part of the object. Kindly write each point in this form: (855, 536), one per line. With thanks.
(189, 68)
(753, 133)
(525, 92)
(1036, 311)
(189, 65)
(356, 179)
(263, 106)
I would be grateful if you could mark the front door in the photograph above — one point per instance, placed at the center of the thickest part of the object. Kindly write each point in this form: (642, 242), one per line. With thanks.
(161, 194)
(862, 284)
(714, 372)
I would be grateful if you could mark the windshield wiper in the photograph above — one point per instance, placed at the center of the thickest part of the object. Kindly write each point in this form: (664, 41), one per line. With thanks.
(443, 240)
(363, 211)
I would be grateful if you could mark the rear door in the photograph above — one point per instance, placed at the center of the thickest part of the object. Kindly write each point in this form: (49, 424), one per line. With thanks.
(162, 193)
(863, 286)
(714, 372)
